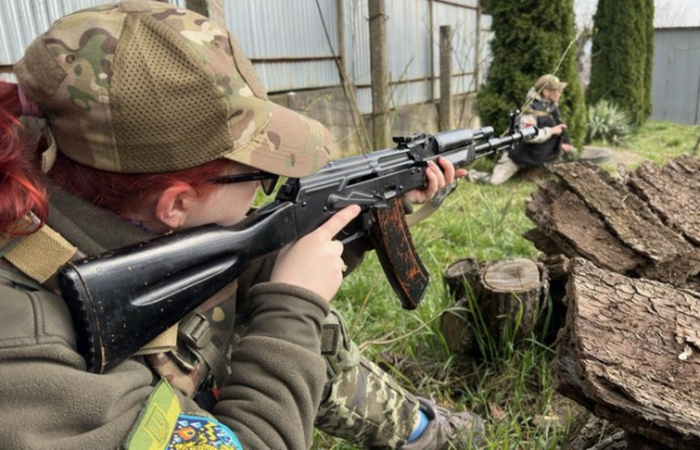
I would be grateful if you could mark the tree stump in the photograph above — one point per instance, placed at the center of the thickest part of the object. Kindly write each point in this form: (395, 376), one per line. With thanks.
(644, 224)
(630, 353)
(462, 281)
(512, 297)
(462, 278)
(503, 303)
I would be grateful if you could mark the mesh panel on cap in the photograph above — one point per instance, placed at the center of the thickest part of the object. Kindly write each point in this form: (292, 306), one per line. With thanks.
(167, 113)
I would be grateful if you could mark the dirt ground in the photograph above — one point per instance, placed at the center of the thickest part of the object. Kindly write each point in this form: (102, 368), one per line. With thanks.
(631, 160)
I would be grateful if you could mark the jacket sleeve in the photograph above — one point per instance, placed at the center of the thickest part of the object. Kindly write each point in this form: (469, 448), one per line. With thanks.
(49, 401)
(543, 134)
(271, 398)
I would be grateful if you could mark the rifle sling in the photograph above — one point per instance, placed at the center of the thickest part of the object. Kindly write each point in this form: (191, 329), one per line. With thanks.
(195, 331)
(38, 255)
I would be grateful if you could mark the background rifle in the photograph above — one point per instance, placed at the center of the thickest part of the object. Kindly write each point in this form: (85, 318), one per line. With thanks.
(122, 299)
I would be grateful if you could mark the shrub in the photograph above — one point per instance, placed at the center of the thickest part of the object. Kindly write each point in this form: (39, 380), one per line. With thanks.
(606, 121)
(531, 36)
(623, 52)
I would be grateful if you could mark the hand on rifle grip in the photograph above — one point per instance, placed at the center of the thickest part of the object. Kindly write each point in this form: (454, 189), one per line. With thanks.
(437, 179)
(314, 262)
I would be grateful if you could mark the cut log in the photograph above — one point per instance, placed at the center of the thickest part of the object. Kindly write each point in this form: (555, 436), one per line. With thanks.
(642, 225)
(457, 329)
(630, 352)
(503, 303)
(462, 281)
(462, 277)
(512, 298)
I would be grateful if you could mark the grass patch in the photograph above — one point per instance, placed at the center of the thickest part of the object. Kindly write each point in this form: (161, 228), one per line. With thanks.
(513, 391)
(661, 141)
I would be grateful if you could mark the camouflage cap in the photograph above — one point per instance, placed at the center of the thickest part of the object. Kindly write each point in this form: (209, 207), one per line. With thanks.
(549, 81)
(146, 87)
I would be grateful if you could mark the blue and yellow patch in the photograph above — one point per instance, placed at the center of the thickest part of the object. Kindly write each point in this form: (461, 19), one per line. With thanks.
(162, 426)
(202, 433)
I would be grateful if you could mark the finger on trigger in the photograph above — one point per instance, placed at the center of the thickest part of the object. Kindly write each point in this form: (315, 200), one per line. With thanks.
(340, 220)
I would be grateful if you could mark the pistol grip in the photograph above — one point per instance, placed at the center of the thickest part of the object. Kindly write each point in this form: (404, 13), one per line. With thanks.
(397, 254)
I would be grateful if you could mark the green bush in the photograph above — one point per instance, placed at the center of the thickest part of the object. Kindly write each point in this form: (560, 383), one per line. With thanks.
(608, 122)
(623, 52)
(531, 36)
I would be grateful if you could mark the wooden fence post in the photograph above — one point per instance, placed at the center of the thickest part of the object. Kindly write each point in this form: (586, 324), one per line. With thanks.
(445, 78)
(380, 79)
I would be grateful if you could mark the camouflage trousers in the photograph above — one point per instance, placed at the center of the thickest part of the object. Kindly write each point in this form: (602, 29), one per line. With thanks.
(362, 403)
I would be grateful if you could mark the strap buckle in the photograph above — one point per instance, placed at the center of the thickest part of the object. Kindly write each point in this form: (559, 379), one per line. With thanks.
(195, 331)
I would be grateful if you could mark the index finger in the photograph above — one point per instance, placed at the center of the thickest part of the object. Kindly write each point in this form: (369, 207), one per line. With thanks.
(339, 220)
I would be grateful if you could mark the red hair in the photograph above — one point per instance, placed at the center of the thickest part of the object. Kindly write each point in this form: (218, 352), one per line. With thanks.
(123, 193)
(20, 178)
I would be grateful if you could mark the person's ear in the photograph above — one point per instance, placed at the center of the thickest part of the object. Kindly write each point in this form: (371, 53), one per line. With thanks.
(175, 205)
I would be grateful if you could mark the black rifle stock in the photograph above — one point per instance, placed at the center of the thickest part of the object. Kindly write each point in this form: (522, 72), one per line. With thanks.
(122, 299)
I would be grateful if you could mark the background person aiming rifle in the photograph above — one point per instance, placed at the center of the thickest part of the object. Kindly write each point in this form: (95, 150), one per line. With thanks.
(149, 119)
(552, 142)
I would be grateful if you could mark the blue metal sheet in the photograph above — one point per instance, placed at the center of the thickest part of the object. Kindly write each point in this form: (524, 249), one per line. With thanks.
(676, 75)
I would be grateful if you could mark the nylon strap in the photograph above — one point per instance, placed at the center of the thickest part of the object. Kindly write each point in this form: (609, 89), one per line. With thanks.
(432, 206)
(163, 343)
(195, 331)
(38, 255)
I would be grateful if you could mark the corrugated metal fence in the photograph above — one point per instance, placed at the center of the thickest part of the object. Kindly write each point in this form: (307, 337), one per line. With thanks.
(294, 44)
(676, 76)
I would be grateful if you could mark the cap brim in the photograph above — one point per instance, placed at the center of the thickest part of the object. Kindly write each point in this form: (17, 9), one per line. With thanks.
(291, 145)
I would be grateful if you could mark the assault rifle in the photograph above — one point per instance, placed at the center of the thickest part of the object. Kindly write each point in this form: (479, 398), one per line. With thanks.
(122, 299)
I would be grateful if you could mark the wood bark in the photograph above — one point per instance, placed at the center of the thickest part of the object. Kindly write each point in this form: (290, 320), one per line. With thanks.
(498, 302)
(630, 353)
(644, 224)
(588, 432)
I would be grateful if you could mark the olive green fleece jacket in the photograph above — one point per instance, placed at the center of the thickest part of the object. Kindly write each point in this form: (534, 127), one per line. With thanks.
(49, 401)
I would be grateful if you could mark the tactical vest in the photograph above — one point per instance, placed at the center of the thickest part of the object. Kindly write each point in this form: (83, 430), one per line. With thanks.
(529, 154)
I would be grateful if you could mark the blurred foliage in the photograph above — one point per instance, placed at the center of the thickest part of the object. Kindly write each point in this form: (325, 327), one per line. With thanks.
(607, 122)
(531, 39)
(622, 56)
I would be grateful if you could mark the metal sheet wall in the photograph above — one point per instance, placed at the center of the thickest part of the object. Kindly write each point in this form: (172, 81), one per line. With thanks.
(22, 20)
(676, 75)
(293, 31)
(291, 48)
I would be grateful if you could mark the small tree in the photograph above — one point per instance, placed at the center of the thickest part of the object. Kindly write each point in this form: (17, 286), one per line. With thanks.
(622, 59)
(531, 37)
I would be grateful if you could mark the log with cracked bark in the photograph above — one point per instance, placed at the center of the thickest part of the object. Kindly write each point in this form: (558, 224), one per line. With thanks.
(643, 224)
(630, 353)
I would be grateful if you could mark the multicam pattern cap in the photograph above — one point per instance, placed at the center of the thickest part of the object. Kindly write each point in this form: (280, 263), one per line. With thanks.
(146, 87)
(549, 81)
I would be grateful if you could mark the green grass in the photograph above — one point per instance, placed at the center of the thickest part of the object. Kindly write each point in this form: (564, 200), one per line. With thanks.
(660, 141)
(513, 391)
